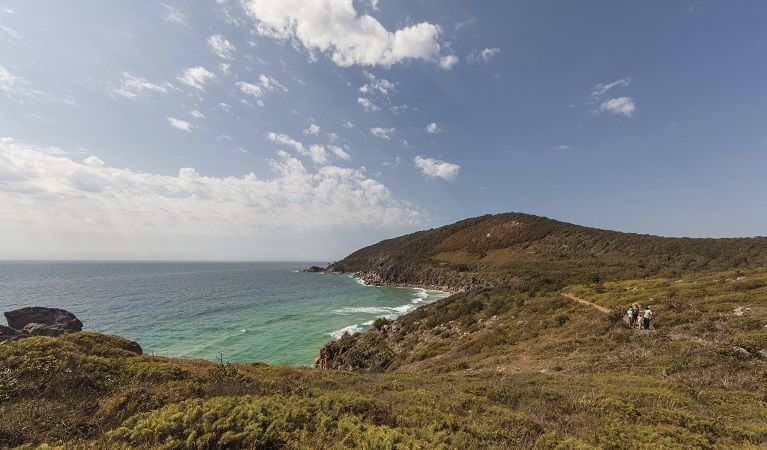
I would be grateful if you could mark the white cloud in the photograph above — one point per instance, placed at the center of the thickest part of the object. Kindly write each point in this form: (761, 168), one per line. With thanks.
(197, 114)
(10, 31)
(270, 84)
(470, 21)
(381, 86)
(11, 83)
(562, 147)
(485, 55)
(287, 140)
(383, 133)
(436, 168)
(368, 104)
(348, 124)
(602, 88)
(250, 88)
(259, 88)
(313, 129)
(433, 128)
(133, 86)
(622, 105)
(52, 194)
(221, 47)
(180, 124)
(196, 77)
(334, 27)
(319, 154)
(447, 62)
(339, 152)
(173, 15)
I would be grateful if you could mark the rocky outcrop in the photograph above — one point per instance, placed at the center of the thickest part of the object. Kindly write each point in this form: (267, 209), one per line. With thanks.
(39, 321)
(428, 279)
(327, 355)
(8, 331)
(314, 269)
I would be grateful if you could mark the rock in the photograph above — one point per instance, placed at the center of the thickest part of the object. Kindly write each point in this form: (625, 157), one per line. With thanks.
(314, 269)
(134, 348)
(44, 321)
(741, 311)
(327, 354)
(8, 331)
(741, 353)
(41, 329)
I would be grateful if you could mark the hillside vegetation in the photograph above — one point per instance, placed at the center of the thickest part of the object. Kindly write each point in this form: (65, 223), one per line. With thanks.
(508, 362)
(518, 248)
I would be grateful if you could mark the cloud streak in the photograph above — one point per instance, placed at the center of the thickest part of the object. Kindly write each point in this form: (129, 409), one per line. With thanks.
(624, 106)
(133, 86)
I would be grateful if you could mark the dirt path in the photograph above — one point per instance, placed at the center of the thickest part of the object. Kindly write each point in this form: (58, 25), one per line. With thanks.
(593, 305)
(588, 303)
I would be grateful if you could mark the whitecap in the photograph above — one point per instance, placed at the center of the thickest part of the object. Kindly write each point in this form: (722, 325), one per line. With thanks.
(351, 329)
(364, 310)
(404, 309)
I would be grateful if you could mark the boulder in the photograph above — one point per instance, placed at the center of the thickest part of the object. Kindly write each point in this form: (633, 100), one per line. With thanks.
(43, 321)
(8, 331)
(41, 329)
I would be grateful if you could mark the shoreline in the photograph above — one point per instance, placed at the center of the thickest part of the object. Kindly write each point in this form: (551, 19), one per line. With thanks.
(373, 279)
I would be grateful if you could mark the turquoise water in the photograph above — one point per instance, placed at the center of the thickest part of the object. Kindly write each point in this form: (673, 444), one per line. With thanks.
(242, 312)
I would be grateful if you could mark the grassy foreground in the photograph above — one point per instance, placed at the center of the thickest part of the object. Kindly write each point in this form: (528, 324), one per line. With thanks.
(491, 368)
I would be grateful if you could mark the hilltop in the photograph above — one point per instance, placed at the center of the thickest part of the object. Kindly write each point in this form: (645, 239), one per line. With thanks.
(513, 248)
(509, 361)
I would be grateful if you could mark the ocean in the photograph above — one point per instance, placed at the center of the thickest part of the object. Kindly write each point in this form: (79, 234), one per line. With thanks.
(235, 311)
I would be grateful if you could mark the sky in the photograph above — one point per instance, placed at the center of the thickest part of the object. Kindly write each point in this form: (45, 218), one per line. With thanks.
(306, 129)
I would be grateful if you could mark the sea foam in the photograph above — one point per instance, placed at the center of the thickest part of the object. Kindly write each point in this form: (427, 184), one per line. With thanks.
(351, 329)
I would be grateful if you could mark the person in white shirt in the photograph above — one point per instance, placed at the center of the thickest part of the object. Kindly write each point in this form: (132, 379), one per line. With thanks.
(647, 317)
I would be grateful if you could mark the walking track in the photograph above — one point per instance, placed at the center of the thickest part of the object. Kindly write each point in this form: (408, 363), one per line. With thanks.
(588, 303)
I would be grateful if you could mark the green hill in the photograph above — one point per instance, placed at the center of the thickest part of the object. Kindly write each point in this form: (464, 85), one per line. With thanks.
(506, 362)
(508, 248)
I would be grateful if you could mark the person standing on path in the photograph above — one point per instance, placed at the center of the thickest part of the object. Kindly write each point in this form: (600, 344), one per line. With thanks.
(634, 315)
(647, 317)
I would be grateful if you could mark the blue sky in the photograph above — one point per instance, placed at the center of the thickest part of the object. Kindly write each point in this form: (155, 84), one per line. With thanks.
(298, 129)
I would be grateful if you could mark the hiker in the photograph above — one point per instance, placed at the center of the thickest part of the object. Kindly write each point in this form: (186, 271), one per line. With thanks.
(631, 318)
(647, 317)
(634, 315)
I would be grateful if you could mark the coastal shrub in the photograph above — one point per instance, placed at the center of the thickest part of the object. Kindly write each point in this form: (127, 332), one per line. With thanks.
(381, 322)
(340, 421)
(97, 344)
